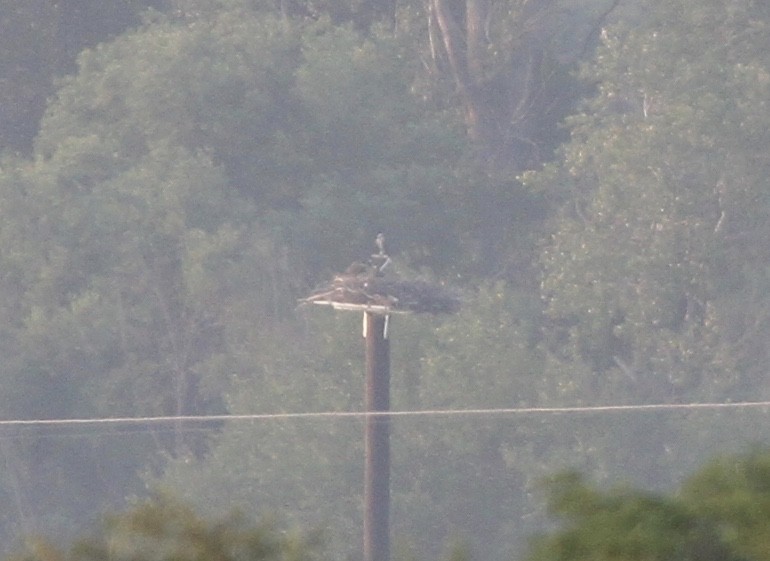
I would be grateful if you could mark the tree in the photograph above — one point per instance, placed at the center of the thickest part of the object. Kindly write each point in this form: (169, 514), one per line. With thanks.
(652, 276)
(508, 62)
(162, 528)
(124, 248)
(39, 42)
(187, 169)
(625, 524)
(733, 493)
(311, 470)
(719, 513)
(452, 477)
(652, 281)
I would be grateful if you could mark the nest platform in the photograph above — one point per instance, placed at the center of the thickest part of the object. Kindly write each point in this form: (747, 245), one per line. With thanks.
(384, 295)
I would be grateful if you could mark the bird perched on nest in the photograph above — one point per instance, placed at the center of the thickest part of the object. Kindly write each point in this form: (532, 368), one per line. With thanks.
(364, 284)
(358, 269)
(381, 259)
(377, 264)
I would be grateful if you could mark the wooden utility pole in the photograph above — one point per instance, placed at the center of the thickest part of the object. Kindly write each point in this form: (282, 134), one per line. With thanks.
(377, 439)
(367, 288)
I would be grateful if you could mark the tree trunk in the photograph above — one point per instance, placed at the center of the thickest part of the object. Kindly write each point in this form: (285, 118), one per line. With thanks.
(465, 62)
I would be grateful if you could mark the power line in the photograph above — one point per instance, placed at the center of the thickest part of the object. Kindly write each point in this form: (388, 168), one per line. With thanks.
(404, 413)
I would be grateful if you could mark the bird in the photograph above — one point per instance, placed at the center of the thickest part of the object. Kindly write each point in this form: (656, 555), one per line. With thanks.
(380, 260)
(357, 269)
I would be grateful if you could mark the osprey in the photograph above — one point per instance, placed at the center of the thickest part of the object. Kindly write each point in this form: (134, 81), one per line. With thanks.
(364, 286)
(381, 259)
(358, 269)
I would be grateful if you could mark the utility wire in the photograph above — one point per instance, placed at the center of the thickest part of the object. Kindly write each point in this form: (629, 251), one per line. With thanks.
(405, 413)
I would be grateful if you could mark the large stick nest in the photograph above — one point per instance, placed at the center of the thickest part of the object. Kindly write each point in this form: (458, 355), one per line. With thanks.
(385, 294)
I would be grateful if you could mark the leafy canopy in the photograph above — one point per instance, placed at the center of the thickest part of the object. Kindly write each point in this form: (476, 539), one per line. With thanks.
(720, 513)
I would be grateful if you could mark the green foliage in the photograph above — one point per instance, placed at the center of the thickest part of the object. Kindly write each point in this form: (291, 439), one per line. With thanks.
(190, 166)
(308, 470)
(127, 248)
(39, 41)
(647, 274)
(625, 524)
(476, 472)
(162, 529)
(654, 281)
(734, 493)
(720, 513)
(504, 324)
(379, 157)
(202, 171)
(220, 87)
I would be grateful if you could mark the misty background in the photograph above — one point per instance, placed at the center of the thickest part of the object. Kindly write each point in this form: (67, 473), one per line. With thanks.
(591, 177)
